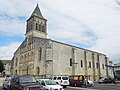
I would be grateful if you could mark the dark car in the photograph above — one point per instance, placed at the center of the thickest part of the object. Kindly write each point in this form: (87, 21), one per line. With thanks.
(76, 80)
(106, 80)
(25, 82)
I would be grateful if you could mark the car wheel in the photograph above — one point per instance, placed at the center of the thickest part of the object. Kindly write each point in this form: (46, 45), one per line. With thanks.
(75, 84)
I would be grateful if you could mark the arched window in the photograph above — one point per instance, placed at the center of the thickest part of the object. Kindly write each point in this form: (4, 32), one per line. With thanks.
(16, 72)
(81, 63)
(70, 61)
(103, 66)
(89, 65)
(36, 26)
(39, 27)
(38, 70)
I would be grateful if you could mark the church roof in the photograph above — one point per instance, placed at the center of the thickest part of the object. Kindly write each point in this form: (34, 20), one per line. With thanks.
(37, 12)
(45, 40)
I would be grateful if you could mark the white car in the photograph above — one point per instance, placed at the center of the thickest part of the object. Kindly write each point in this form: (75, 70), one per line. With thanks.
(7, 83)
(62, 80)
(49, 84)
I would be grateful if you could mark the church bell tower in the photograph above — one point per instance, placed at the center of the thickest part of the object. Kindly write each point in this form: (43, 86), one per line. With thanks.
(36, 25)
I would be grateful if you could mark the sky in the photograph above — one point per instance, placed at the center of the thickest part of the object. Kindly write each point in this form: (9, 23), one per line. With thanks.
(89, 24)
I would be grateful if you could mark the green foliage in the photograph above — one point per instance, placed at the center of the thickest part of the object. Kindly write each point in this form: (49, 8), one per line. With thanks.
(2, 67)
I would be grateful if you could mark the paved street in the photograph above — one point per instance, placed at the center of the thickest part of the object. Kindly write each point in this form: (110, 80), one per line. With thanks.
(106, 87)
(95, 87)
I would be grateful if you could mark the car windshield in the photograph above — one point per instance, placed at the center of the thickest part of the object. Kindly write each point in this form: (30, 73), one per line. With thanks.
(54, 78)
(27, 79)
(65, 78)
(50, 82)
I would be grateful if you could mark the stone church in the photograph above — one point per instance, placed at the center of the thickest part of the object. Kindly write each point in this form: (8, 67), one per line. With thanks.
(38, 55)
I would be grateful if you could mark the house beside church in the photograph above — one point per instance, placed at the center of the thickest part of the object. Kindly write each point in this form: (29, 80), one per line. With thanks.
(38, 55)
(7, 66)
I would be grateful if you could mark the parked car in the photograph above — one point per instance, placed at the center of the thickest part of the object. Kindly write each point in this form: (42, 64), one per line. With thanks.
(49, 84)
(62, 80)
(106, 80)
(25, 82)
(7, 83)
(76, 80)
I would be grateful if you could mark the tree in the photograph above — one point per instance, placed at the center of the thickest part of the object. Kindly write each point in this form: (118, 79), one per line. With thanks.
(2, 67)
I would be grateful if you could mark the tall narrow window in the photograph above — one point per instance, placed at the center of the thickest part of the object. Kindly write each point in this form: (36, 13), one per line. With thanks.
(40, 53)
(97, 65)
(70, 61)
(16, 72)
(89, 64)
(36, 26)
(39, 27)
(81, 63)
(103, 66)
(38, 70)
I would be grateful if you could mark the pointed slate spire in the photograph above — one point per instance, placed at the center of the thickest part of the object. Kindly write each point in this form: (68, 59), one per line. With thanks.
(37, 12)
